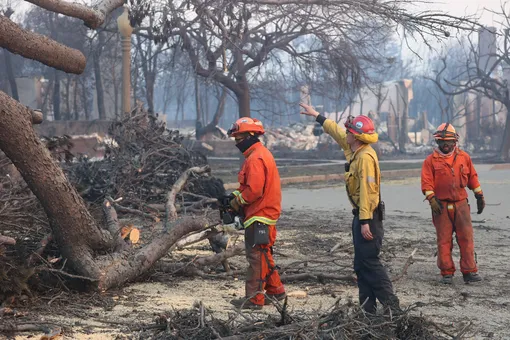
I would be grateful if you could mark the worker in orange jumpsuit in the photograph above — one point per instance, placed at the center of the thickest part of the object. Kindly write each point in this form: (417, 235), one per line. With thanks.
(259, 199)
(445, 175)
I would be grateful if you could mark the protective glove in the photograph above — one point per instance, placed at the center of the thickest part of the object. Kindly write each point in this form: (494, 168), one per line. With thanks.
(234, 203)
(480, 203)
(436, 205)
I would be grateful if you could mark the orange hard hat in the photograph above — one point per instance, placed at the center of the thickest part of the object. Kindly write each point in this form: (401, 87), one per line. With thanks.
(360, 125)
(446, 131)
(246, 124)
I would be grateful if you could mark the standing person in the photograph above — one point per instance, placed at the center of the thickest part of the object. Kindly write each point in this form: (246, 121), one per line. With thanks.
(259, 199)
(362, 179)
(445, 175)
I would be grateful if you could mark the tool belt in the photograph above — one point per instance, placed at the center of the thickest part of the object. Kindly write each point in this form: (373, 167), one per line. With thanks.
(380, 210)
(256, 234)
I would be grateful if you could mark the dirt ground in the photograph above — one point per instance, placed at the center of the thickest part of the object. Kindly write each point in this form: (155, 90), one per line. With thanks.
(316, 218)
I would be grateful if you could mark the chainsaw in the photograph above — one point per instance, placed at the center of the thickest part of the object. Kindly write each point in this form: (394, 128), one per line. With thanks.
(227, 214)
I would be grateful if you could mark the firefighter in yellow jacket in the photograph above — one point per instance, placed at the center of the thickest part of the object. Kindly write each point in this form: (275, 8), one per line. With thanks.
(362, 178)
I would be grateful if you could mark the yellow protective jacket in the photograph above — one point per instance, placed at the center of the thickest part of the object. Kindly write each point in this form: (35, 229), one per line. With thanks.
(364, 177)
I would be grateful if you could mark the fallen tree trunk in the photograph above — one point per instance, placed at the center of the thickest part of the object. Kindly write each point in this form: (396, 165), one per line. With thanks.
(128, 265)
(73, 227)
(77, 234)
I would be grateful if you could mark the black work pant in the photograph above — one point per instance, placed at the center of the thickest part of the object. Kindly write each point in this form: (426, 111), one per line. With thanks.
(373, 281)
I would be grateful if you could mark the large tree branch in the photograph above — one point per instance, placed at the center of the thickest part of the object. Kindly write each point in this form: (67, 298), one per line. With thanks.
(92, 17)
(20, 143)
(171, 209)
(39, 47)
(128, 266)
(7, 240)
(200, 70)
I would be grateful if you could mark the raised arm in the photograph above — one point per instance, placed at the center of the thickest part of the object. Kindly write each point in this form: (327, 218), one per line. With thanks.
(330, 127)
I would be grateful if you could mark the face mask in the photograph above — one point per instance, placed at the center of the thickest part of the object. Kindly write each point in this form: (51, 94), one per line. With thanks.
(246, 143)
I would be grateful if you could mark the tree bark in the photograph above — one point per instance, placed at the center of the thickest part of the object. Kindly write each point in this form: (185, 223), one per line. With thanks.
(10, 75)
(92, 17)
(244, 104)
(150, 79)
(67, 97)
(75, 99)
(505, 146)
(72, 225)
(85, 100)
(45, 105)
(129, 265)
(56, 97)
(198, 104)
(39, 47)
(97, 74)
(217, 115)
(243, 97)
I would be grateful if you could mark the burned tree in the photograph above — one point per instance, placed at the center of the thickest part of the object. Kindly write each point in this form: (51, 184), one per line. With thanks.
(230, 42)
(485, 73)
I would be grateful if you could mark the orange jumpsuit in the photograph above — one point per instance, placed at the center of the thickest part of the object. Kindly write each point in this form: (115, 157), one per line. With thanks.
(260, 196)
(447, 177)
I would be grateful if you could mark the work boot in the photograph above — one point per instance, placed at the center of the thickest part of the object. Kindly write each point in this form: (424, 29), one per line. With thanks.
(471, 277)
(392, 308)
(245, 303)
(277, 297)
(447, 279)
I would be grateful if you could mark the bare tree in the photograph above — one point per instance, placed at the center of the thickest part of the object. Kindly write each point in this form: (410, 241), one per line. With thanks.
(96, 57)
(149, 56)
(229, 41)
(490, 81)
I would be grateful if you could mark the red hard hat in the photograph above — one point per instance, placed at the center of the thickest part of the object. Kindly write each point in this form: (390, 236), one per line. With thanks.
(359, 125)
(446, 131)
(246, 124)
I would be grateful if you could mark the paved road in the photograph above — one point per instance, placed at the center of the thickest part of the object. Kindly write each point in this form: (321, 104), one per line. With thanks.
(405, 196)
(318, 162)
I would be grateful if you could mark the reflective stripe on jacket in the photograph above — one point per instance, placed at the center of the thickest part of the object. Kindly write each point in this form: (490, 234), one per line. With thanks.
(259, 191)
(447, 177)
(364, 177)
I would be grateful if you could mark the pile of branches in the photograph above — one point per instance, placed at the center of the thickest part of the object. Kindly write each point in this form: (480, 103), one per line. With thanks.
(23, 224)
(341, 321)
(141, 164)
(142, 167)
